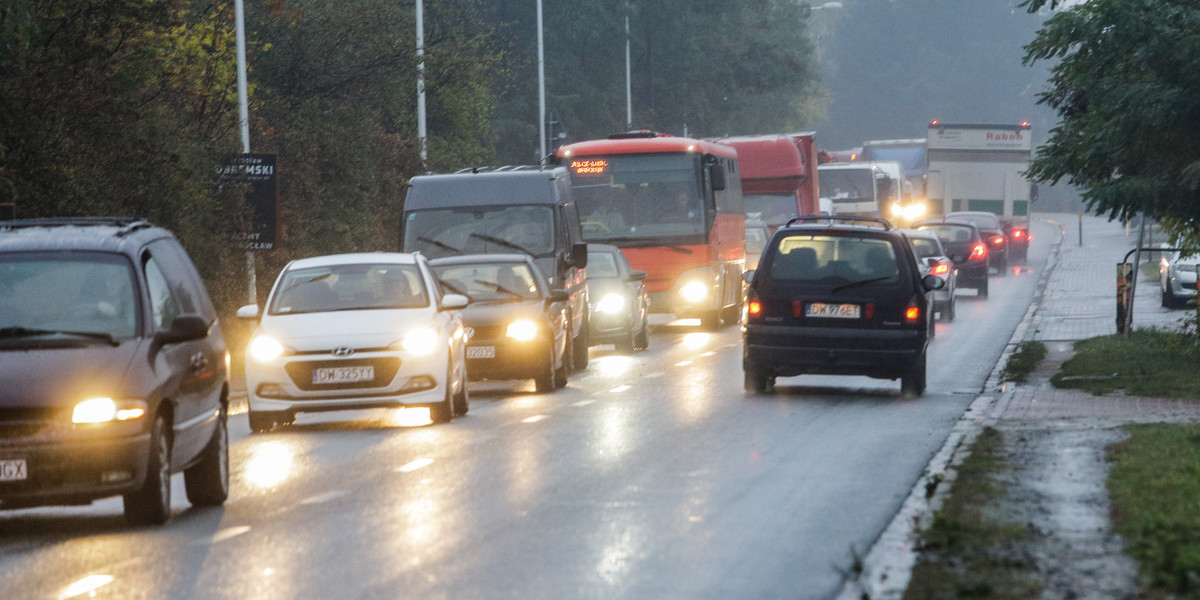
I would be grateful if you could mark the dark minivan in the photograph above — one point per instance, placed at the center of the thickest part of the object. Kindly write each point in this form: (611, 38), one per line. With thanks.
(837, 296)
(115, 372)
(525, 210)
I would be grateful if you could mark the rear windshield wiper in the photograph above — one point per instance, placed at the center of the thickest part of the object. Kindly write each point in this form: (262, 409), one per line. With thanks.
(19, 332)
(495, 240)
(861, 282)
(441, 245)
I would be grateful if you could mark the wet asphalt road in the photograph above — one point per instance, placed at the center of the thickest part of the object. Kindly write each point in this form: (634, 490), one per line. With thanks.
(649, 477)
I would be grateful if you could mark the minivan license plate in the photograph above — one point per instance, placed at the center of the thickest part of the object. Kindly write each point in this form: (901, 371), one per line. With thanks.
(343, 374)
(13, 470)
(833, 311)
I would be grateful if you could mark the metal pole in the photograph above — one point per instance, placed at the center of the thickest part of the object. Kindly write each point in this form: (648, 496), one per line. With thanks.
(1137, 267)
(421, 130)
(541, 88)
(628, 81)
(1080, 230)
(244, 123)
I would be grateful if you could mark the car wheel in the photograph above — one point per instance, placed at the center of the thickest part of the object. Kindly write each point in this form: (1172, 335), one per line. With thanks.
(443, 412)
(544, 381)
(642, 340)
(561, 372)
(207, 482)
(151, 503)
(261, 421)
(711, 320)
(462, 401)
(1002, 268)
(756, 379)
(948, 312)
(983, 290)
(912, 383)
(579, 358)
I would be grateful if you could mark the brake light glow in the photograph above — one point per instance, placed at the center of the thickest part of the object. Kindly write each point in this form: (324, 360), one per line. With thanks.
(754, 308)
(912, 313)
(978, 252)
(1017, 233)
(940, 269)
(998, 240)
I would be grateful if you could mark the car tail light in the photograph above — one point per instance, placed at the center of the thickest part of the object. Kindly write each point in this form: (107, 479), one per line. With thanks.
(869, 311)
(754, 310)
(998, 240)
(979, 251)
(912, 313)
(1018, 234)
(797, 308)
(940, 269)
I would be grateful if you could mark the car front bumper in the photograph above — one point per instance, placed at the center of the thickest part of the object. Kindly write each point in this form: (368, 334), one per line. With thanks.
(75, 471)
(287, 385)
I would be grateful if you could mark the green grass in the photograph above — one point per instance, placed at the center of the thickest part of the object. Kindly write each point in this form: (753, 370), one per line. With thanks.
(1024, 360)
(1154, 486)
(1147, 362)
(967, 552)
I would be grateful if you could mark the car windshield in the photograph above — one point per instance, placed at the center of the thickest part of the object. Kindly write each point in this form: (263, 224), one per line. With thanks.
(481, 230)
(602, 264)
(772, 209)
(361, 286)
(490, 282)
(77, 293)
(840, 258)
(639, 197)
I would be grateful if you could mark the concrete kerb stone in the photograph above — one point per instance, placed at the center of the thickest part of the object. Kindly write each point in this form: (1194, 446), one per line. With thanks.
(884, 572)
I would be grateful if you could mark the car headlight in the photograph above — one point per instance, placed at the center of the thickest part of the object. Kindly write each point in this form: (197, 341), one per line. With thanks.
(421, 342)
(105, 410)
(611, 304)
(264, 348)
(694, 291)
(522, 330)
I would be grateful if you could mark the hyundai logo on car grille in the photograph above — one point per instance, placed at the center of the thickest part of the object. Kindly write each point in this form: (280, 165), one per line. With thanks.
(342, 351)
(469, 332)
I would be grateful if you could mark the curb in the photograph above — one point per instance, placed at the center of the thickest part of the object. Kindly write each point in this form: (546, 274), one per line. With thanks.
(886, 569)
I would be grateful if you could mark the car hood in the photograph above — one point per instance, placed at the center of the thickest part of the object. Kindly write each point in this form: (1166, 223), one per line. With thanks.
(483, 314)
(60, 377)
(308, 332)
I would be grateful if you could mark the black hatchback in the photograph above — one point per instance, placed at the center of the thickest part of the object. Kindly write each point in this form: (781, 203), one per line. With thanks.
(841, 296)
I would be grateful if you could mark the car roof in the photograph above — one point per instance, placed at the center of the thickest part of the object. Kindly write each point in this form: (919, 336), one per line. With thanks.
(328, 260)
(110, 234)
(471, 259)
(941, 223)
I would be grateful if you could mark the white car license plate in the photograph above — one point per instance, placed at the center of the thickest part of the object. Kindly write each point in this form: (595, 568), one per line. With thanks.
(833, 311)
(481, 352)
(13, 470)
(343, 374)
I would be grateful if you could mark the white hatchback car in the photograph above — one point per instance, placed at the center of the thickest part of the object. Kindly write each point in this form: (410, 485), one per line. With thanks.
(352, 331)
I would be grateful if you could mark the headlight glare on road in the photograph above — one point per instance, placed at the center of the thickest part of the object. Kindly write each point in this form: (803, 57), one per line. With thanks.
(694, 291)
(611, 304)
(522, 330)
(421, 342)
(264, 348)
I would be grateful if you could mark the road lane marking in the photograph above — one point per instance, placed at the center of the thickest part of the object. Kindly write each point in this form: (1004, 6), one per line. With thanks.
(87, 585)
(652, 375)
(709, 353)
(683, 363)
(228, 533)
(322, 498)
(584, 403)
(619, 389)
(420, 463)
(533, 419)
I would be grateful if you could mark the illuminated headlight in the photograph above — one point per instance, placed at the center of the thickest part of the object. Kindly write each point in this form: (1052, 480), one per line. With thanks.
(421, 342)
(694, 291)
(264, 348)
(105, 410)
(897, 210)
(914, 211)
(522, 330)
(611, 304)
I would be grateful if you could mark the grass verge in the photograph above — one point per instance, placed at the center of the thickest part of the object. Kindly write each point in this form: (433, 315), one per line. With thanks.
(1147, 362)
(1024, 360)
(1154, 486)
(967, 552)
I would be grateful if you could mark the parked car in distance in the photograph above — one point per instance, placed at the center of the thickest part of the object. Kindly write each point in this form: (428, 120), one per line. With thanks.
(965, 246)
(840, 296)
(516, 324)
(355, 331)
(993, 235)
(1019, 238)
(619, 306)
(933, 260)
(757, 234)
(1177, 278)
(114, 368)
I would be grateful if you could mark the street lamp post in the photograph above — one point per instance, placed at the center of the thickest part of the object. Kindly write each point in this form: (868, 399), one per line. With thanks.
(541, 88)
(244, 122)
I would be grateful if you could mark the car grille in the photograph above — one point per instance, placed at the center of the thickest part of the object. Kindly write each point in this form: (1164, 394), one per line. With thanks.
(385, 371)
(19, 426)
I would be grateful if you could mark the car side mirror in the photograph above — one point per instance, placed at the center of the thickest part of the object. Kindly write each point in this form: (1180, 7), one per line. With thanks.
(249, 311)
(579, 255)
(559, 296)
(716, 176)
(931, 262)
(184, 328)
(637, 276)
(454, 302)
(748, 276)
(932, 282)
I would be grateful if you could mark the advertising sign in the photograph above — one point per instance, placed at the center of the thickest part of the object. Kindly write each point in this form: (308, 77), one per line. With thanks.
(257, 171)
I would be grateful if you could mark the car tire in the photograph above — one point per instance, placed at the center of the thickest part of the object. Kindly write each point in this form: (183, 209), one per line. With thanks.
(443, 412)
(756, 379)
(543, 382)
(207, 482)
(983, 289)
(561, 372)
(912, 383)
(711, 320)
(948, 312)
(462, 401)
(642, 340)
(579, 349)
(1002, 268)
(150, 504)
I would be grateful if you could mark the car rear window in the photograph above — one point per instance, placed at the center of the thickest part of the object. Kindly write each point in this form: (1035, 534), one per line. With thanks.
(601, 264)
(844, 258)
(925, 247)
(951, 233)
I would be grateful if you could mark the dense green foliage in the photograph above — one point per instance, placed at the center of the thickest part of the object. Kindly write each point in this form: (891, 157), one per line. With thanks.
(1154, 488)
(1146, 362)
(1125, 85)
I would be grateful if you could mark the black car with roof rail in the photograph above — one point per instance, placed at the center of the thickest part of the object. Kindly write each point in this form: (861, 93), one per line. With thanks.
(965, 246)
(114, 368)
(837, 296)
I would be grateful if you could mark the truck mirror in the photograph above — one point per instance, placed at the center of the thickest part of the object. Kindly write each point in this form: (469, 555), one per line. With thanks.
(716, 175)
(579, 255)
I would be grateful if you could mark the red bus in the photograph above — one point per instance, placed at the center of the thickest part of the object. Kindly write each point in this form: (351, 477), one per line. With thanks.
(674, 207)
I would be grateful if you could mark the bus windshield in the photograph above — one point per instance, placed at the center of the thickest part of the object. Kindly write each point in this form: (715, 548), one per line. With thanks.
(627, 198)
(772, 209)
(499, 229)
(847, 185)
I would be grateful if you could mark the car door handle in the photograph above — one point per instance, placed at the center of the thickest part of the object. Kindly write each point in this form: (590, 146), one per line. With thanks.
(199, 361)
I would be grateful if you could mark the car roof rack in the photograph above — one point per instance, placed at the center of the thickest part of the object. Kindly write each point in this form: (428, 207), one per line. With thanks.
(125, 225)
(848, 220)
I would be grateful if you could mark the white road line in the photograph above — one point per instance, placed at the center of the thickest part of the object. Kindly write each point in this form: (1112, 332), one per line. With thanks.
(652, 375)
(85, 586)
(322, 498)
(533, 419)
(683, 363)
(420, 463)
(229, 533)
(584, 403)
(709, 353)
(619, 389)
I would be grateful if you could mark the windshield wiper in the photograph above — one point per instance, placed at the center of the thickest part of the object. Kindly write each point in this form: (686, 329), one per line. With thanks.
(19, 332)
(629, 242)
(500, 288)
(861, 282)
(495, 240)
(441, 245)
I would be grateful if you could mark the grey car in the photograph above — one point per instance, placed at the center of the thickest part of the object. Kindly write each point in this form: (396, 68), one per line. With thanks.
(1177, 278)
